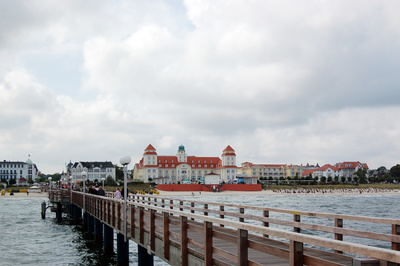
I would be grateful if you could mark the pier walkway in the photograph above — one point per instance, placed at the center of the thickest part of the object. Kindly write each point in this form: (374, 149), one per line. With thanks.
(188, 232)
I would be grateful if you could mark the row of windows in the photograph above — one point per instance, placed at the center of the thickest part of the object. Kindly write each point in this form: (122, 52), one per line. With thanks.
(9, 171)
(11, 165)
(8, 176)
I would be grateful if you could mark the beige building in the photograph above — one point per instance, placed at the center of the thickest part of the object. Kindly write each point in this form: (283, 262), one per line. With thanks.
(275, 171)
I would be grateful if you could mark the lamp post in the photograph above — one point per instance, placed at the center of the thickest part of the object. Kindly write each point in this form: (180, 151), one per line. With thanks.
(102, 180)
(84, 173)
(125, 161)
(50, 182)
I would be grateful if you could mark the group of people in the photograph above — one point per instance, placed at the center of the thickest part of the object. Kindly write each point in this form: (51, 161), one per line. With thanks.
(101, 192)
(97, 191)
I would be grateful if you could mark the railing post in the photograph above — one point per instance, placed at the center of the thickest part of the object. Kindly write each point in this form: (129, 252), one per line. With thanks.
(166, 235)
(119, 216)
(243, 255)
(141, 225)
(241, 211)
(153, 230)
(113, 214)
(296, 218)
(162, 201)
(192, 211)
(208, 245)
(339, 224)
(181, 205)
(205, 209)
(184, 241)
(132, 221)
(296, 253)
(222, 208)
(266, 224)
(396, 231)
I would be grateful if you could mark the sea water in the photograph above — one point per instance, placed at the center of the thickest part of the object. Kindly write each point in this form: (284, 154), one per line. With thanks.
(27, 239)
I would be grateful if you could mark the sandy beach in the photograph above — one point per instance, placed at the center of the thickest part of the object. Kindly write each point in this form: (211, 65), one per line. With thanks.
(24, 195)
(272, 192)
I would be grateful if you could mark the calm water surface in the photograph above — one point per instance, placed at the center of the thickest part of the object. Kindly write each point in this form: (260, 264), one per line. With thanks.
(27, 239)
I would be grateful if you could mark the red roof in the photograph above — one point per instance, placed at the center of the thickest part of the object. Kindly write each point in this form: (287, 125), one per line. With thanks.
(150, 147)
(229, 148)
(351, 165)
(228, 151)
(307, 172)
(326, 167)
(150, 150)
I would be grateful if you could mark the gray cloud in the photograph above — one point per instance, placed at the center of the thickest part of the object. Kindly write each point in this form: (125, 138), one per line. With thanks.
(278, 81)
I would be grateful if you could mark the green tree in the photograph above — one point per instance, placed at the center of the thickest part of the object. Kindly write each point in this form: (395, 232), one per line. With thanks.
(343, 179)
(12, 181)
(119, 173)
(329, 179)
(360, 175)
(395, 171)
(110, 181)
(323, 179)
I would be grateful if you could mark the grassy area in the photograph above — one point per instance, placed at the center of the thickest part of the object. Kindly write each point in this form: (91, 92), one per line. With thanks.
(337, 186)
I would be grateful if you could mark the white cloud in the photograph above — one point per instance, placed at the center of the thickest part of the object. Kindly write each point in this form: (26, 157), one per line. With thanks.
(278, 81)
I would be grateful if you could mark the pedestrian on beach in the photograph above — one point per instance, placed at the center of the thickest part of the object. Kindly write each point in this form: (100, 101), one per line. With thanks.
(117, 194)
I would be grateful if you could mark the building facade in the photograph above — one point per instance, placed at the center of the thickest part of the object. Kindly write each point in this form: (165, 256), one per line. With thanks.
(94, 170)
(343, 169)
(21, 172)
(268, 171)
(171, 169)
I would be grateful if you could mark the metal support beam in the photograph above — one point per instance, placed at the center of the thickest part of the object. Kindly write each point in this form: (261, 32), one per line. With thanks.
(98, 231)
(108, 245)
(122, 250)
(144, 258)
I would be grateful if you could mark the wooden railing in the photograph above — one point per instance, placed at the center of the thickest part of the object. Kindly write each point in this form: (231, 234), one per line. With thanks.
(241, 226)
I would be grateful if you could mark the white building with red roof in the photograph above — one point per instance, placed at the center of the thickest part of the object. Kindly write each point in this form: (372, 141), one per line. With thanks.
(348, 168)
(326, 170)
(344, 169)
(169, 169)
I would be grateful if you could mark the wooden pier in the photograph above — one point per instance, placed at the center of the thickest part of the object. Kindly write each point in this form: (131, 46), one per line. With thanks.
(187, 232)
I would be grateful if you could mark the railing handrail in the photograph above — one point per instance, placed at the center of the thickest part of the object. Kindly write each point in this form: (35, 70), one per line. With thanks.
(182, 210)
(359, 249)
(304, 213)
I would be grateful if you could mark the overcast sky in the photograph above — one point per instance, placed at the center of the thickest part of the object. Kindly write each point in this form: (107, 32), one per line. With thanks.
(279, 81)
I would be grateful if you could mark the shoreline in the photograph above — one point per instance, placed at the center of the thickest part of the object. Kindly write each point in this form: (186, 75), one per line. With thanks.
(236, 193)
(280, 193)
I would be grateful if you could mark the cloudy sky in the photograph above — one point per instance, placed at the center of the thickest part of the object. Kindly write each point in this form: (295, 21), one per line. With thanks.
(279, 81)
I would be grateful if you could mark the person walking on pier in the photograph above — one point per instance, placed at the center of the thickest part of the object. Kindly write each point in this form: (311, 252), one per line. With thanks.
(101, 191)
(117, 194)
